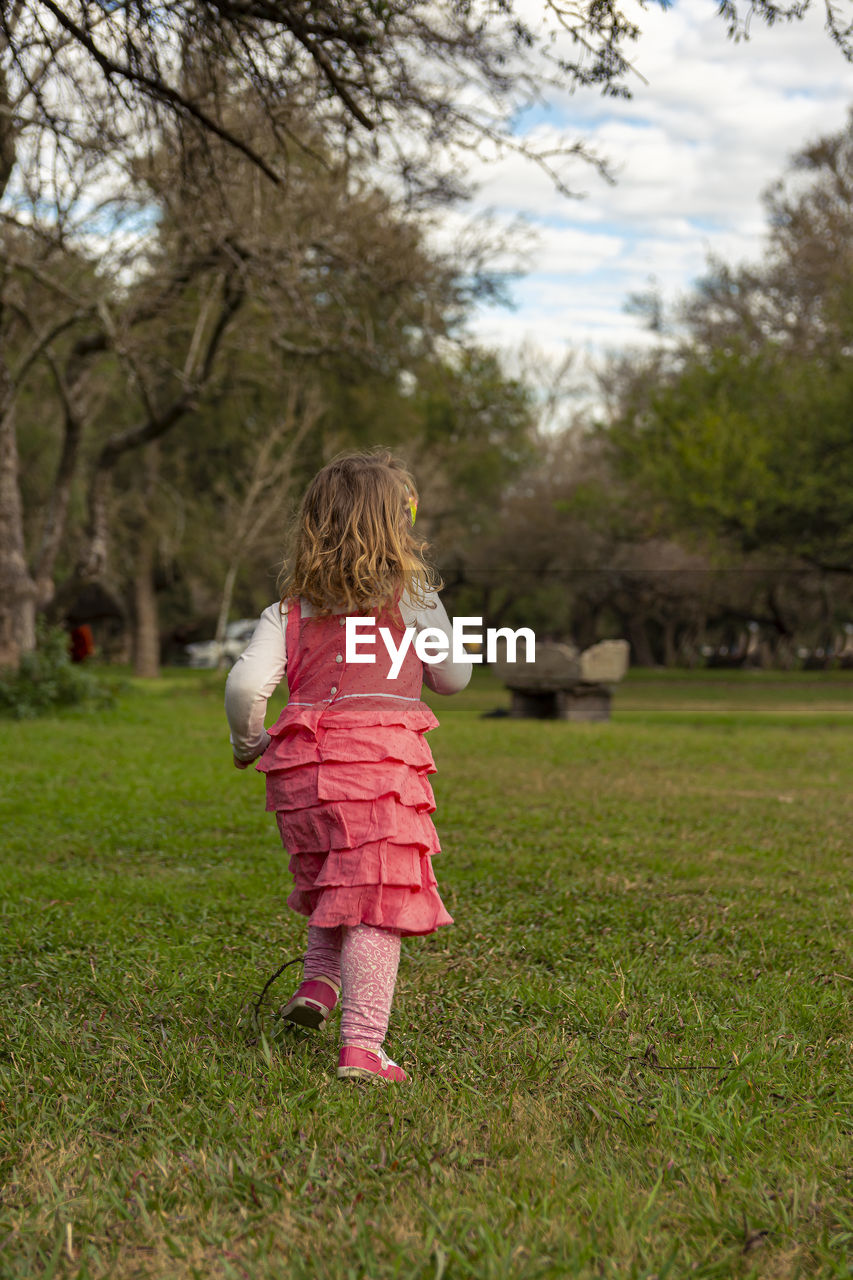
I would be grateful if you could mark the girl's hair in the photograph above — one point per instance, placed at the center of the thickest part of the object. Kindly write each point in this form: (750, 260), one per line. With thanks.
(354, 547)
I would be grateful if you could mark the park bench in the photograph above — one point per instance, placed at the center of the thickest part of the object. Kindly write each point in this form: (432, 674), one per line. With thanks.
(564, 683)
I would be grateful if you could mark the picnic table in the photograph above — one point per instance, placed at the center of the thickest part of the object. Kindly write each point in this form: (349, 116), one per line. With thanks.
(563, 683)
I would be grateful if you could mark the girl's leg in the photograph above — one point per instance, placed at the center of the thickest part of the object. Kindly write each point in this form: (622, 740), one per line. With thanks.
(318, 992)
(369, 960)
(323, 954)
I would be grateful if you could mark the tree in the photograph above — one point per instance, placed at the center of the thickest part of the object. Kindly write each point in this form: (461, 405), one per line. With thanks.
(47, 296)
(413, 78)
(799, 297)
(567, 553)
(254, 501)
(88, 90)
(344, 299)
(742, 432)
(335, 277)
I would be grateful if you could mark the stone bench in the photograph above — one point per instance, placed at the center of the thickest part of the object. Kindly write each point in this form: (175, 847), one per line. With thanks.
(563, 683)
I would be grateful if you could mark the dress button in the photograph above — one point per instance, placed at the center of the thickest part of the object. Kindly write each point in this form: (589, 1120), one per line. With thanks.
(343, 622)
(334, 688)
(339, 658)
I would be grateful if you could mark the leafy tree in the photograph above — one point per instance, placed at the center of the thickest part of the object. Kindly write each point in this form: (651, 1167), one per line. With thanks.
(742, 433)
(568, 555)
(345, 308)
(799, 297)
(460, 424)
(89, 91)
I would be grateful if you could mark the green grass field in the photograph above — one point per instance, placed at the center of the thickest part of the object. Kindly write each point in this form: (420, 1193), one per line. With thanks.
(631, 1056)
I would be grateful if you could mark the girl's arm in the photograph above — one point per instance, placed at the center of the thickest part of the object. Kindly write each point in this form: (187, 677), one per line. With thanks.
(444, 676)
(254, 677)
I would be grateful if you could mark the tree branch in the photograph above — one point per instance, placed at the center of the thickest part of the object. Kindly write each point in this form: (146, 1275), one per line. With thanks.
(157, 89)
(318, 56)
(38, 348)
(57, 507)
(156, 424)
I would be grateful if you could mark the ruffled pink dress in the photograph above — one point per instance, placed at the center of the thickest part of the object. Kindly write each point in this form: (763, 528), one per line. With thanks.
(347, 774)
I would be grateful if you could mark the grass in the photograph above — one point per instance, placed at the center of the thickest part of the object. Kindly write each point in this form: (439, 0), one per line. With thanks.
(631, 1056)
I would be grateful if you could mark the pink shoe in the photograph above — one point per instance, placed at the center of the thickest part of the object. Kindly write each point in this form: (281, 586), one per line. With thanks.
(362, 1064)
(311, 1005)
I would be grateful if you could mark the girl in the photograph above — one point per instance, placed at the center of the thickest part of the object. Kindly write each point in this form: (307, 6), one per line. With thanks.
(346, 763)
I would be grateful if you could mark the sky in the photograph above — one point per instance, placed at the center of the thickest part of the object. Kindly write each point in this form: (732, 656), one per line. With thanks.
(710, 125)
(691, 151)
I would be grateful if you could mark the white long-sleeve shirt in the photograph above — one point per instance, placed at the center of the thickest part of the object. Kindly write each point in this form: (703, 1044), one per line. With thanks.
(261, 666)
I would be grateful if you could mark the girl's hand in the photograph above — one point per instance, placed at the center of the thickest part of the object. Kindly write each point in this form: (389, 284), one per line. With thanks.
(259, 751)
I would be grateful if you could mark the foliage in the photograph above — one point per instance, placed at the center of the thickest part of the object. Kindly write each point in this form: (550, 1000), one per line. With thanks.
(47, 680)
(416, 86)
(341, 299)
(461, 423)
(420, 86)
(798, 297)
(742, 433)
(630, 1055)
(217, 292)
(754, 449)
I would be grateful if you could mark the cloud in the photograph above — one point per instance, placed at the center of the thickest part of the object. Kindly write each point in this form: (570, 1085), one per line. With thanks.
(692, 152)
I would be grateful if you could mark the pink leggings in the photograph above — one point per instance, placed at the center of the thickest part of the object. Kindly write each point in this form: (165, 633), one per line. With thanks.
(363, 960)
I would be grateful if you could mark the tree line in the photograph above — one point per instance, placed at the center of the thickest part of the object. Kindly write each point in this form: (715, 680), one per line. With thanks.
(217, 271)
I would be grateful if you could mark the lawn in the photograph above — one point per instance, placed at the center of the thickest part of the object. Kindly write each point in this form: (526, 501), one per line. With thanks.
(631, 1056)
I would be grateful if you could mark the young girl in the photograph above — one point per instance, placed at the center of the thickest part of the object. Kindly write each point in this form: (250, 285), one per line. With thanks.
(346, 763)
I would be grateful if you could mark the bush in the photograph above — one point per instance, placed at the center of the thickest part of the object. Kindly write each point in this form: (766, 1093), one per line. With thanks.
(48, 680)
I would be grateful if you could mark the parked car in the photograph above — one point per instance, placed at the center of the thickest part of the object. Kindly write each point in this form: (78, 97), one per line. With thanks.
(207, 653)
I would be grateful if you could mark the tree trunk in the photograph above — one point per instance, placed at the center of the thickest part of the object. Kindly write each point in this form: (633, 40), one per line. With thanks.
(224, 610)
(584, 625)
(640, 643)
(690, 646)
(17, 588)
(146, 622)
(146, 626)
(670, 650)
(93, 560)
(53, 530)
(8, 130)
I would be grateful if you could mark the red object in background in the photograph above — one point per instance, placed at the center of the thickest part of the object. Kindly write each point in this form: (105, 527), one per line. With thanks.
(82, 644)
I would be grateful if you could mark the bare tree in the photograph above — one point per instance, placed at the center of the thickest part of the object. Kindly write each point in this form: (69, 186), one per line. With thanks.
(253, 502)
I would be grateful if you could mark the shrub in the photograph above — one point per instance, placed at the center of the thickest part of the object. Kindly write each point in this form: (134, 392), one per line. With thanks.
(47, 680)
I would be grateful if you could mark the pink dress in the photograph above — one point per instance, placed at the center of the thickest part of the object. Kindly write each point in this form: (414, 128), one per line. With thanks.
(347, 776)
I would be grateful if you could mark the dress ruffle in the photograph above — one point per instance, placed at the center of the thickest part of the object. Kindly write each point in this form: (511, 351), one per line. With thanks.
(355, 712)
(376, 883)
(349, 783)
(362, 743)
(354, 824)
(346, 781)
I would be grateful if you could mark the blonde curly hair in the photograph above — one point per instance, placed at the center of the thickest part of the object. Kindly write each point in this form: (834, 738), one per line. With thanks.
(354, 547)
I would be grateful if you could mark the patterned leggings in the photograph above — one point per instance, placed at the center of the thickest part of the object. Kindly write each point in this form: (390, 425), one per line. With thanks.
(363, 961)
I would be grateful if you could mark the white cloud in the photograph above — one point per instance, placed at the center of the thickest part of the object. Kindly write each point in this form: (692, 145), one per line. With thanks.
(692, 151)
